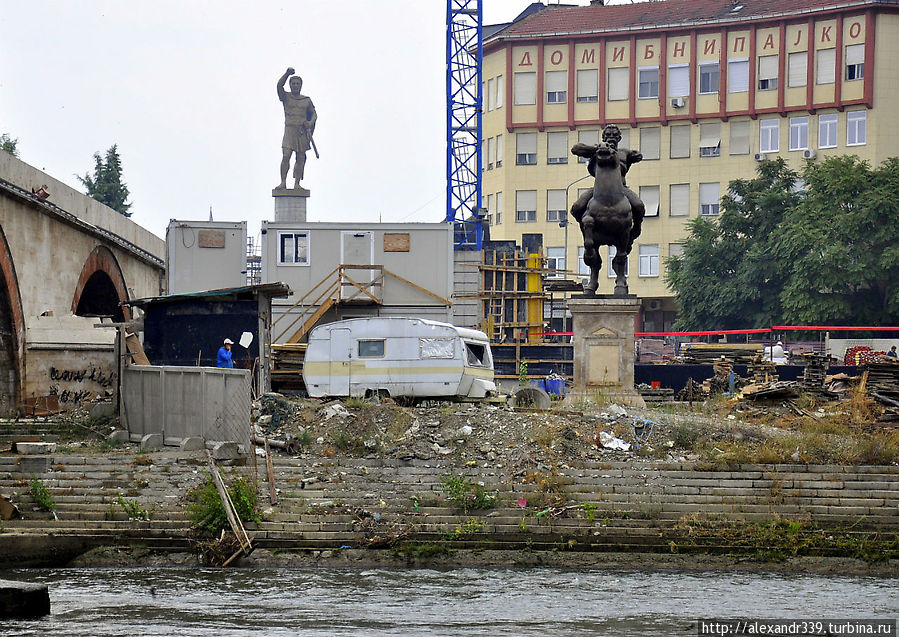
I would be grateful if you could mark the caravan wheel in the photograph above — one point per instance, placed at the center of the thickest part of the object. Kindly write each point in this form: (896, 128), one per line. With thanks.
(376, 395)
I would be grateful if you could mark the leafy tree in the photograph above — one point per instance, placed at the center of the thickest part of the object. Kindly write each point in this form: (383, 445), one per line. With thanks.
(731, 274)
(842, 245)
(106, 185)
(9, 144)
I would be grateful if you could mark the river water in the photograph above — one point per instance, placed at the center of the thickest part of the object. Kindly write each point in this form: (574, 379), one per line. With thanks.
(462, 601)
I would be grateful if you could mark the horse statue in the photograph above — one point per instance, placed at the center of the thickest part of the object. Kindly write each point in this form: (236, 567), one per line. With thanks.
(609, 215)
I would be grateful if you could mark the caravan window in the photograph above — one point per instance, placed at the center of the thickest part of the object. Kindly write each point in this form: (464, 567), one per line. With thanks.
(436, 348)
(371, 348)
(475, 353)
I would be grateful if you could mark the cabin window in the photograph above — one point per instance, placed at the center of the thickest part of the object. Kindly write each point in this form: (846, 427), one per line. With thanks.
(436, 348)
(475, 354)
(293, 248)
(373, 348)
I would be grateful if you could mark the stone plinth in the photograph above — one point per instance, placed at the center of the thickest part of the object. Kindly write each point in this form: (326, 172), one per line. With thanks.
(290, 204)
(604, 347)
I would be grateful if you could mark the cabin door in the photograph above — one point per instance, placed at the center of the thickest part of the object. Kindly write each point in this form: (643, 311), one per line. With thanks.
(341, 355)
(357, 248)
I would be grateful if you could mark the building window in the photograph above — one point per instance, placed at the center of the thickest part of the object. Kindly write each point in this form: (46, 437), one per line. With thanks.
(827, 131)
(679, 200)
(293, 248)
(738, 76)
(649, 260)
(371, 348)
(587, 85)
(526, 149)
(798, 71)
(710, 139)
(648, 82)
(709, 199)
(708, 78)
(484, 155)
(769, 135)
(525, 206)
(650, 142)
(824, 66)
(490, 94)
(490, 210)
(798, 133)
(613, 251)
(625, 138)
(739, 137)
(619, 84)
(680, 141)
(855, 62)
(649, 195)
(675, 250)
(491, 153)
(589, 137)
(856, 133)
(525, 88)
(555, 260)
(498, 215)
(679, 80)
(768, 72)
(557, 148)
(581, 191)
(555, 205)
(556, 87)
(499, 151)
(500, 91)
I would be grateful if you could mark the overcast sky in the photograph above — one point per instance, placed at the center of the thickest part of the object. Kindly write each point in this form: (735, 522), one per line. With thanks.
(187, 91)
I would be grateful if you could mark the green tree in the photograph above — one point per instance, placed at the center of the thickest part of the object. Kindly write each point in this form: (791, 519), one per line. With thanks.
(9, 144)
(842, 245)
(731, 273)
(106, 185)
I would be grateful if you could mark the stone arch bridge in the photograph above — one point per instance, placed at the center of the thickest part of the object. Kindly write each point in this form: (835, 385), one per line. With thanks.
(67, 262)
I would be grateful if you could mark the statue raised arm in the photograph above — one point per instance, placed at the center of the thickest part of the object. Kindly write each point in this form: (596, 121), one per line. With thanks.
(299, 125)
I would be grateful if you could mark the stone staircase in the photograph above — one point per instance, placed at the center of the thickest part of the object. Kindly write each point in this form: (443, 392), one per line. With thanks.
(330, 503)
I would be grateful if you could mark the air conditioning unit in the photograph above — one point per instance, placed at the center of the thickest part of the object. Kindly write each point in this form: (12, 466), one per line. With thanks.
(809, 154)
(677, 102)
(760, 157)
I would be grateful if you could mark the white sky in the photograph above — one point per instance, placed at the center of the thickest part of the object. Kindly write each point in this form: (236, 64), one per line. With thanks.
(187, 91)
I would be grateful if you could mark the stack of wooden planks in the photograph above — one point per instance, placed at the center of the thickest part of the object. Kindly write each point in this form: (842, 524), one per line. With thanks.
(287, 366)
(883, 386)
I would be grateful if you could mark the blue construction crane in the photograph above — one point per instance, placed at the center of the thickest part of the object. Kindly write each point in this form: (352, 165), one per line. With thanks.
(464, 53)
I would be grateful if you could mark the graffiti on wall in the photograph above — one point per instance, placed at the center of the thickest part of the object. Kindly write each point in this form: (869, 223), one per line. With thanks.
(75, 386)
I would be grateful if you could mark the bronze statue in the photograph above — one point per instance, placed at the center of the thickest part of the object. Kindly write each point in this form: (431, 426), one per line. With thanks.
(611, 213)
(299, 124)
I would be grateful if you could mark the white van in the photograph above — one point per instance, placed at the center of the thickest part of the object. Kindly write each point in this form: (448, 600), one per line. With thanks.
(399, 357)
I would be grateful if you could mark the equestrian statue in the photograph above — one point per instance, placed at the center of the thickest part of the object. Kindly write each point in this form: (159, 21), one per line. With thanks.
(611, 213)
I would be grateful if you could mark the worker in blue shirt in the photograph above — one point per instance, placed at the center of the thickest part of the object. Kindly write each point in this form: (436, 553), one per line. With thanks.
(224, 359)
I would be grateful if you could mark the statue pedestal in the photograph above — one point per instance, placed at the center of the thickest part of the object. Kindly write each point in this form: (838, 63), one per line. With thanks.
(290, 204)
(604, 347)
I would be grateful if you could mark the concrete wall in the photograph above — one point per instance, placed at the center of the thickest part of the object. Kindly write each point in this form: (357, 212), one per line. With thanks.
(181, 402)
(205, 255)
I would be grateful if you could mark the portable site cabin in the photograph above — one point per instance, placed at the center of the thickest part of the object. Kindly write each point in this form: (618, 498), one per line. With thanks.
(399, 357)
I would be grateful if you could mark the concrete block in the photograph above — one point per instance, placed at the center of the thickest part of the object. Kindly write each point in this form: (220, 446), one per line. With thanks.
(102, 410)
(119, 436)
(151, 441)
(32, 448)
(225, 451)
(192, 444)
(34, 464)
(23, 599)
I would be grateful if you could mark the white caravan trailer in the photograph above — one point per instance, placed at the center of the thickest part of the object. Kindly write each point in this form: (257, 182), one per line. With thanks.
(397, 356)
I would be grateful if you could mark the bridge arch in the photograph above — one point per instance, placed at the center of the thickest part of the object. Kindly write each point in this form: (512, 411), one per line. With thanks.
(12, 333)
(101, 287)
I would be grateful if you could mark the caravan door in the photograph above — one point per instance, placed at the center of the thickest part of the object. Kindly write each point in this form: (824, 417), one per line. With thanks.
(341, 352)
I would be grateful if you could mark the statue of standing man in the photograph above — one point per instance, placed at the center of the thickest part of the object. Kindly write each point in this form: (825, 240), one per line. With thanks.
(299, 124)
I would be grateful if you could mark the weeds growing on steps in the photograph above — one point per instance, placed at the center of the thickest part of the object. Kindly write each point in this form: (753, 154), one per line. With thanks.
(207, 513)
(41, 495)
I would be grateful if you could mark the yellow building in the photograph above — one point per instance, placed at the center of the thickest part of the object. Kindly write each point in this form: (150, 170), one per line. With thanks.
(704, 89)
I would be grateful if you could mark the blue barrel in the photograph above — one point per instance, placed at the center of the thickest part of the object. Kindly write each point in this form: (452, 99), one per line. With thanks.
(539, 382)
(556, 387)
